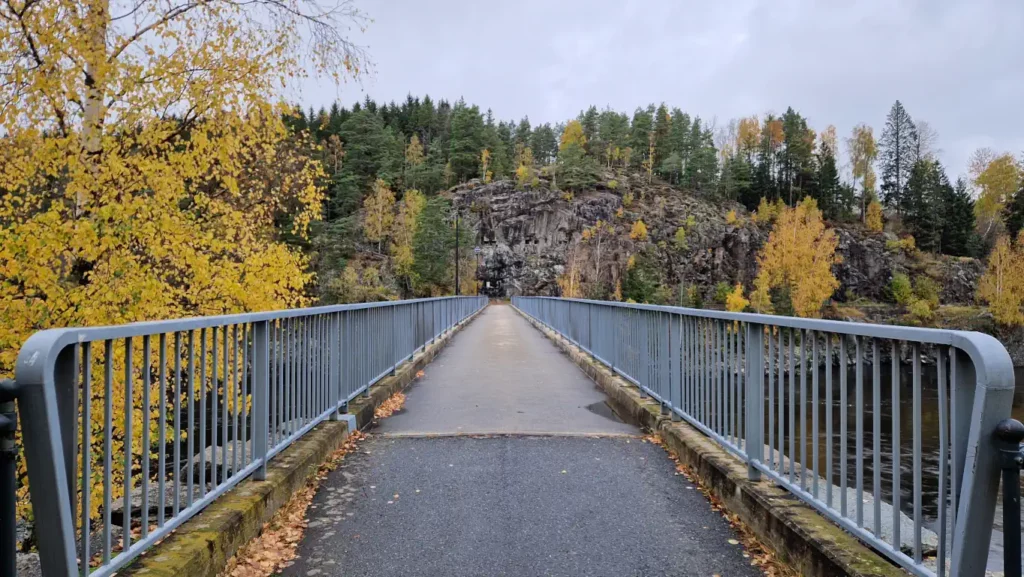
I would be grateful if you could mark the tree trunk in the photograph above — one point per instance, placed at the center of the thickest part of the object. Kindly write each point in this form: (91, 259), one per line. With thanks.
(95, 82)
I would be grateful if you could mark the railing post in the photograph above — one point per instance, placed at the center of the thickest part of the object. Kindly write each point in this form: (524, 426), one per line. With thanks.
(1008, 435)
(335, 366)
(753, 399)
(44, 454)
(675, 366)
(394, 339)
(261, 395)
(993, 397)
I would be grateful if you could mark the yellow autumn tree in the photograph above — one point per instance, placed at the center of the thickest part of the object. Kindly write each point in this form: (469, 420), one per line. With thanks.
(997, 183)
(414, 151)
(485, 163)
(146, 166)
(403, 231)
(735, 302)
(639, 231)
(1002, 285)
(525, 173)
(874, 217)
(797, 258)
(378, 213)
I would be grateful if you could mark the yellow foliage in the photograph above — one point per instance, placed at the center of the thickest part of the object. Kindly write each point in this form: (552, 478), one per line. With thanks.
(735, 302)
(620, 212)
(798, 256)
(404, 229)
(1002, 285)
(379, 208)
(525, 171)
(731, 217)
(572, 136)
(639, 231)
(906, 244)
(631, 262)
(145, 169)
(999, 180)
(569, 281)
(414, 151)
(485, 161)
(617, 294)
(748, 135)
(627, 199)
(768, 211)
(873, 220)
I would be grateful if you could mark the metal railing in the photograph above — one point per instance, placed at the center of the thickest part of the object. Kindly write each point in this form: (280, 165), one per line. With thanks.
(834, 412)
(131, 430)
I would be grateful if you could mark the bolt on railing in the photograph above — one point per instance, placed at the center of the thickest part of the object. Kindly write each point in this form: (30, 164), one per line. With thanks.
(834, 412)
(131, 430)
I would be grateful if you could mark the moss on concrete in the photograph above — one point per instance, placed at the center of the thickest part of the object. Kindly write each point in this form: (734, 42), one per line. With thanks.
(202, 546)
(808, 542)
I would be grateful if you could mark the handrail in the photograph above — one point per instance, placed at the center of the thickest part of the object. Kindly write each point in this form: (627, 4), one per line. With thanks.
(203, 403)
(743, 379)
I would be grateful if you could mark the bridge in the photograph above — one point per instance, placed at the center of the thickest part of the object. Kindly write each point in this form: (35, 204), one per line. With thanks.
(523, 444)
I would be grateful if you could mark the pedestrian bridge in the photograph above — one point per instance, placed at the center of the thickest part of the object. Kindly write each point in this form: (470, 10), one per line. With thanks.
(507, 458)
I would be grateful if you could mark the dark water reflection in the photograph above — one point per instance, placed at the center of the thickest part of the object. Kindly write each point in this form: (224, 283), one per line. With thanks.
(930, 426)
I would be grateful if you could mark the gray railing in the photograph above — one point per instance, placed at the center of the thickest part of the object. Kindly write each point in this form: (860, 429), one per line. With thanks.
(131, 430)
(861, 456)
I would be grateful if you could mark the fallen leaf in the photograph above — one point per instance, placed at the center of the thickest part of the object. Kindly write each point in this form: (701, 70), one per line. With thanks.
(419, 374)
(733, 542)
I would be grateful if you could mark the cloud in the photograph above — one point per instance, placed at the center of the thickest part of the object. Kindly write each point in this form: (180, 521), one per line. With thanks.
(956, 64)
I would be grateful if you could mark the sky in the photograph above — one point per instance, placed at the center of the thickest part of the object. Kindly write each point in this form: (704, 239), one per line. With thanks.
(959, 65)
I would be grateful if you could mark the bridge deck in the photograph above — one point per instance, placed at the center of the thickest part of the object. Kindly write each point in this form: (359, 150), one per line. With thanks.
(543, 481)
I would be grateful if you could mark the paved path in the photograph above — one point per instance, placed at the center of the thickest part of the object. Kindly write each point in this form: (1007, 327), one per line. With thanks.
(500, 375)
(539, 485)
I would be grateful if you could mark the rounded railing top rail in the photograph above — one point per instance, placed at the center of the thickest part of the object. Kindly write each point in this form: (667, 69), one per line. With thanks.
(990, 358)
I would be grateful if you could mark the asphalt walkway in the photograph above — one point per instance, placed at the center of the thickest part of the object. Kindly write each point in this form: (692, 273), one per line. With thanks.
(506, 461)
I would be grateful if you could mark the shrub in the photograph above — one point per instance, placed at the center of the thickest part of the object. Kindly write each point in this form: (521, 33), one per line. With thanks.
(696, 300)
(735, 302)
(731, 218)
(921, 310)
(926, 289)
(613, 184)
(900, 289)
(721, 292)
(639, 231)
(627, 199)
(905, 244)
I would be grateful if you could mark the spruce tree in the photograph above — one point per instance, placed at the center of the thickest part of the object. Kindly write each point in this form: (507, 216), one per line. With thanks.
(958, 234)
(898, 155)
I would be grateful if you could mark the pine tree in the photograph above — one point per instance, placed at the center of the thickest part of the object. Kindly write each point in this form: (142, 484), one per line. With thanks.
(662, 135)
(640, 134)
(544, 144)
(922, 203)
(898, 155)
(433, 246)
(829, 189)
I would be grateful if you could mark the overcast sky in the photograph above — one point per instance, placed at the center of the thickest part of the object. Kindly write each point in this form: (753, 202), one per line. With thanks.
(959, 65)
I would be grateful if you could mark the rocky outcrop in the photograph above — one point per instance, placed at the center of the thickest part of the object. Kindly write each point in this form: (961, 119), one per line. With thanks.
(530, 237)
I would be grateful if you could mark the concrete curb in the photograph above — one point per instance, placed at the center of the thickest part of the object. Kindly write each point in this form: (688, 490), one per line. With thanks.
(202, 546)
(805, 540)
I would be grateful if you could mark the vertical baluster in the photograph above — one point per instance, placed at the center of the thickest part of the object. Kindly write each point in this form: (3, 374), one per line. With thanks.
(108, 420)
(235, 386)
(843, 430)
(803, 409)
(792, 404)
(161, 497)
(828, 419)
(176, 497)
(147, 361)
(215, 406)
(876, 433)
(781, 382)
(190, 449)
(940, 364)
(896, 491)
(917, 453)
(203, 414)
(86, 456)
(225, 398)
(243, 385)
(126, 512)
(859, 412)
(771, 400)
(815, 469)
